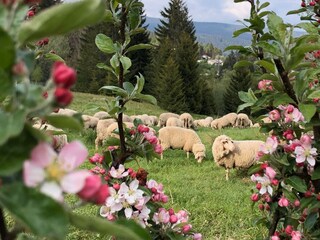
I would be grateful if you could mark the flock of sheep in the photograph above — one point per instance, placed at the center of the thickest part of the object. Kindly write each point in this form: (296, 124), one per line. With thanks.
(176, 132)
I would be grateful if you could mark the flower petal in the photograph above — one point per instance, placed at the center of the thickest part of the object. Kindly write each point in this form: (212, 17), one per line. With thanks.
(53, 190)
(311, 161)
(43, 154)
(33, 174)
(128, 212)
(72, 155)
(74, 182)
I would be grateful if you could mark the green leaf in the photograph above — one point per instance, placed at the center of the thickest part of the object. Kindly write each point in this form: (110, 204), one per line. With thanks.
(38, 212)
(297, 11)
(254, 169)
(270, 48)
(242, 63)
(297, 183)
(139, 47)
(128, 87)
(308, 27)
(120, 229)
(236, 47)
(114, 62)
(105, 43)
(263, 5)
(240, 31)
(276, 27)
(243, 106)
(64, 122)
(146, 98)
(311, 220)
(139, 85)
(6, 85)
(56, 20)
(307, 110)
(15, 151)
(247, 97)
(54, 57)
(126, 63)
(269, 66)
(134, 18)
(115, 90)
(282, 99)
(316, 174)
(7, 50)
(315, 94)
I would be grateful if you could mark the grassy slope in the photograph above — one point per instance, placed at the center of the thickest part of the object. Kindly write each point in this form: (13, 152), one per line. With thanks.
(218, 209)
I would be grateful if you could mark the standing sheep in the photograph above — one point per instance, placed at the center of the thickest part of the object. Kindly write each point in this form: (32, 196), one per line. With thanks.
(243, 121)
(187, 120)
(181, 138)
(164, 117)
(230, 154)
(174, 122)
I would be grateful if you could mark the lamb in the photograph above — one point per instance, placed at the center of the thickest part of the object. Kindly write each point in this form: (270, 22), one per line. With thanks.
(182, 138)
(230, 154)
(89, 121)
(225, 121)
(101, 129)
(187, 120)
(164, 117)
(174, 122)
(243, 121)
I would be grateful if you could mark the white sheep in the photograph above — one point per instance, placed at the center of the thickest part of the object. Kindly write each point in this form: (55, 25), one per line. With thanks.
(243, 121)
(174, 122)
(225, 121)
(164, 117)
(230, 154)
(187, 120)
(101, 130)
(182, 138)
(114, 126)
(65, 111)
(155, 120)
(101, 115)
(89, 121)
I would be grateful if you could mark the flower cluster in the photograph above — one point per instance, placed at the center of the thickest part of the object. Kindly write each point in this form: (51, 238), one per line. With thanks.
(133, 197)
(265, 85)
(148, 135)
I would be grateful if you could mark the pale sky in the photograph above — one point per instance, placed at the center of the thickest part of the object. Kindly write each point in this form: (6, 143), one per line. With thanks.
(224, 11)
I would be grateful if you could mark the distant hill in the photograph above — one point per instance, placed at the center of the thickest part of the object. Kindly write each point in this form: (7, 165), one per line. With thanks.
(219, 34)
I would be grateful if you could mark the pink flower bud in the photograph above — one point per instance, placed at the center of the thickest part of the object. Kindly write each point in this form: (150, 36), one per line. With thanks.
(186, 228)
(283, 202)
(30, 14)
(264, 166)
(258, 186)
(141, 128)
(116, 186)
(270, 172)
(305, 139)
(102, 195)
(265, 85)
(158, 149)
(171, 211)
(288, 230)
(261, 206)
(173, 219)
(91, 186)
(63, 96)
(164, 198)
(63, 75)
(274, 182)
(197, 236)
(96, 158)
(288, 134)
(255, 197)
(296, 203)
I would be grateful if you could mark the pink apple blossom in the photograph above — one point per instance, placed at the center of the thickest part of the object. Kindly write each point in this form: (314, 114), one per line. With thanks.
(296, 235)
(274, 115)
(197, 236)
(305, 139)
(162, 216)
(270, 172)
(288, 134)
(265, 182)
(304, 153)
(293, 115)
(118, 173)
(55, 173)
(270, 146)
(265, 85)
(96, 158)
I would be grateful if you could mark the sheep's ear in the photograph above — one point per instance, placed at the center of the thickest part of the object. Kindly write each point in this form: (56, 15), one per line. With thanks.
(219, 149)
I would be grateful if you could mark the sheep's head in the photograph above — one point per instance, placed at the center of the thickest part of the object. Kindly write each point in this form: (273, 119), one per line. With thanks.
(222, 146)
(199, 151)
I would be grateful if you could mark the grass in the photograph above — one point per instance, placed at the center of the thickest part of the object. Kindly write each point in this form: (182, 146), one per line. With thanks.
(219, 209)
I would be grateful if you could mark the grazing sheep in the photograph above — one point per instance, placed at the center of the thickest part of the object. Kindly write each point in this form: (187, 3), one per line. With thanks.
(187, 120)
(155, 120)
(65, 111)
(230, 154)
(225, 121)
(101, 129)
(174, 122)
(164, 117)
(181, 138)
(243, 121)
(114, 126)
(102, 115)
(58, 140)
(89, 121)
(203, 122)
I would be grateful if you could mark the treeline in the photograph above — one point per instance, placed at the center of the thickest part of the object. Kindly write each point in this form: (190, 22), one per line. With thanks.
(172, 70)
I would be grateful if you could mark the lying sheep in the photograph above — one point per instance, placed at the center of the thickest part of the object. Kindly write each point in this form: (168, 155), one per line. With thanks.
(101, 115)
(243, 121)
(181, 138)
(65, 111)
(225, 121)
(174, 122)
(230, 154)
(101, 130)
(164, 117)
(89, 121)
(187, 120)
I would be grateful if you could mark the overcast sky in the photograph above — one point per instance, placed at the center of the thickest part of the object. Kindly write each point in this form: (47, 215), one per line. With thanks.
(224, 11)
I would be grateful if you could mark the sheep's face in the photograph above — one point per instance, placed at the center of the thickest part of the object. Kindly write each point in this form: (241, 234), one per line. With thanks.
(199, 152)
(222, 146)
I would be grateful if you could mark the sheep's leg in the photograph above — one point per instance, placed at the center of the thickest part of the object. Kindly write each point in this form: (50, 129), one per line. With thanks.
(161, 156)
(227, 173)
(188, 155)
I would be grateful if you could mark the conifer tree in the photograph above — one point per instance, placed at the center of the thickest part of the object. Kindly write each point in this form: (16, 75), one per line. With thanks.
(241, 80)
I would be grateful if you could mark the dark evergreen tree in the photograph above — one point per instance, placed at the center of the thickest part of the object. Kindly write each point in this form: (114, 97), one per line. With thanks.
(177, 33)
(241, 80)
